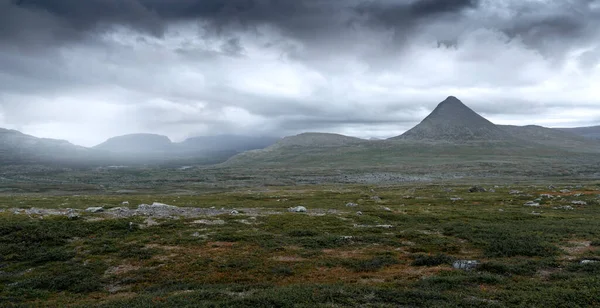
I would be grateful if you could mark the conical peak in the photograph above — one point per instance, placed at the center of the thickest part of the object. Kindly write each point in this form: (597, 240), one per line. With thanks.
(453, 120)
(451, 100)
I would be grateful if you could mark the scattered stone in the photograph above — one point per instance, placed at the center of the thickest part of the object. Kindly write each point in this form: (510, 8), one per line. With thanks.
(577, 195)
(408, 197)
(565, 191)
(373, 226)
(351, 204)
(536, 213)
(578, 202)
(501, 210)
(551, 187)
(491, 190)
(515, 192)
(359, 213)
(466, 265)
(456, 199)
(95, 209)
(347, 237)
(548, 196)
(209, 222)
(532, 203)
(234, 212)
(376, 198)
(125, 203)
(476, 188)
(297, 209)
(565, 207)
(387, 209)
(588, 261)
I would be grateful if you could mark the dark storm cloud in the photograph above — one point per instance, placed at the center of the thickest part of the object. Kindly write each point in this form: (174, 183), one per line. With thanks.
(308, 20)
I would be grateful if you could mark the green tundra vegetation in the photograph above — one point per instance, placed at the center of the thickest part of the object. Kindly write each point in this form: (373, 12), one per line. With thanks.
(394, 246)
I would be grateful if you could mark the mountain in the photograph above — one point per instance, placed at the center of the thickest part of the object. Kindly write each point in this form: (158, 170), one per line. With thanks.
(19, 148)
(137, 143)
(591, 132)
(451, 120)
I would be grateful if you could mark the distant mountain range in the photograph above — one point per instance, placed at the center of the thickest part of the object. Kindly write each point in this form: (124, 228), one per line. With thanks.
(451, 133)
(452, 128)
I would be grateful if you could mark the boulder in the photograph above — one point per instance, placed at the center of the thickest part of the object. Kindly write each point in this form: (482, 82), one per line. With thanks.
(476, 188)
(94, 209)
(532, 203)
(466, 265)
(298, 209)
(351, 204)
(578, 202)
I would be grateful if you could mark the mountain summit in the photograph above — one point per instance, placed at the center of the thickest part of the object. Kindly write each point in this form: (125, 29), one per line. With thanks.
(453, 121)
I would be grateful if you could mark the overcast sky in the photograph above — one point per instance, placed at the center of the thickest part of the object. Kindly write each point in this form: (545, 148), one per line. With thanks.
(88, 70)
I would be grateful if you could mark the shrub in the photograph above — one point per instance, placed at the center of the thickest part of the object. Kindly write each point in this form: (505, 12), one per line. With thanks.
(429, 260)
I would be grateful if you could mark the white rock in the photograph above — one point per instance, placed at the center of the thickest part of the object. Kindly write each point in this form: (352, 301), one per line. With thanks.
(234, 212)
(579, 203)
(351, 204)
(298, 209)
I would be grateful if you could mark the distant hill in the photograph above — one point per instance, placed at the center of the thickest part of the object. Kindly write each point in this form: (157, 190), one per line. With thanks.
(318, 140)
(451, 120)
(19, 148)
(591, 132)
(137, 143)
(552, 137)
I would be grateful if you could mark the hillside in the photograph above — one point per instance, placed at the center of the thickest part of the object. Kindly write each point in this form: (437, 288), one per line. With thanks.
(19, 148)
(552, 137)
(591, 132)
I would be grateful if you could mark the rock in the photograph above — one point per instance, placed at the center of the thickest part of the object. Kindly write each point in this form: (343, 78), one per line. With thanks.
(565, 207)
(150, 222)
(565, 191)
(466, 265)
(359, 213)
(577, 195)
(387, 209)
(551, 187)
(125, 203)
(72, 214)
(94, 209)
(515, 192)
(456, 199)
(376, 198)
(215, 222)
(491, 190)
(351, 204)
(588, 261)
(531, 203)
(536, 213)
(476, 188)
(548, 196)
(298, 209)
(501, 210)
(578, 202)
(234, 212)
(347, 237)
(373, 226)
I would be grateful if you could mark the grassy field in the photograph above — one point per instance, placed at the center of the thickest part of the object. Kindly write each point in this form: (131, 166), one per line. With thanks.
(395, 248)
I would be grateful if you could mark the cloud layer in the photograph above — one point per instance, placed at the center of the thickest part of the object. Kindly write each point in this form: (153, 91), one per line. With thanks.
(88, 70)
